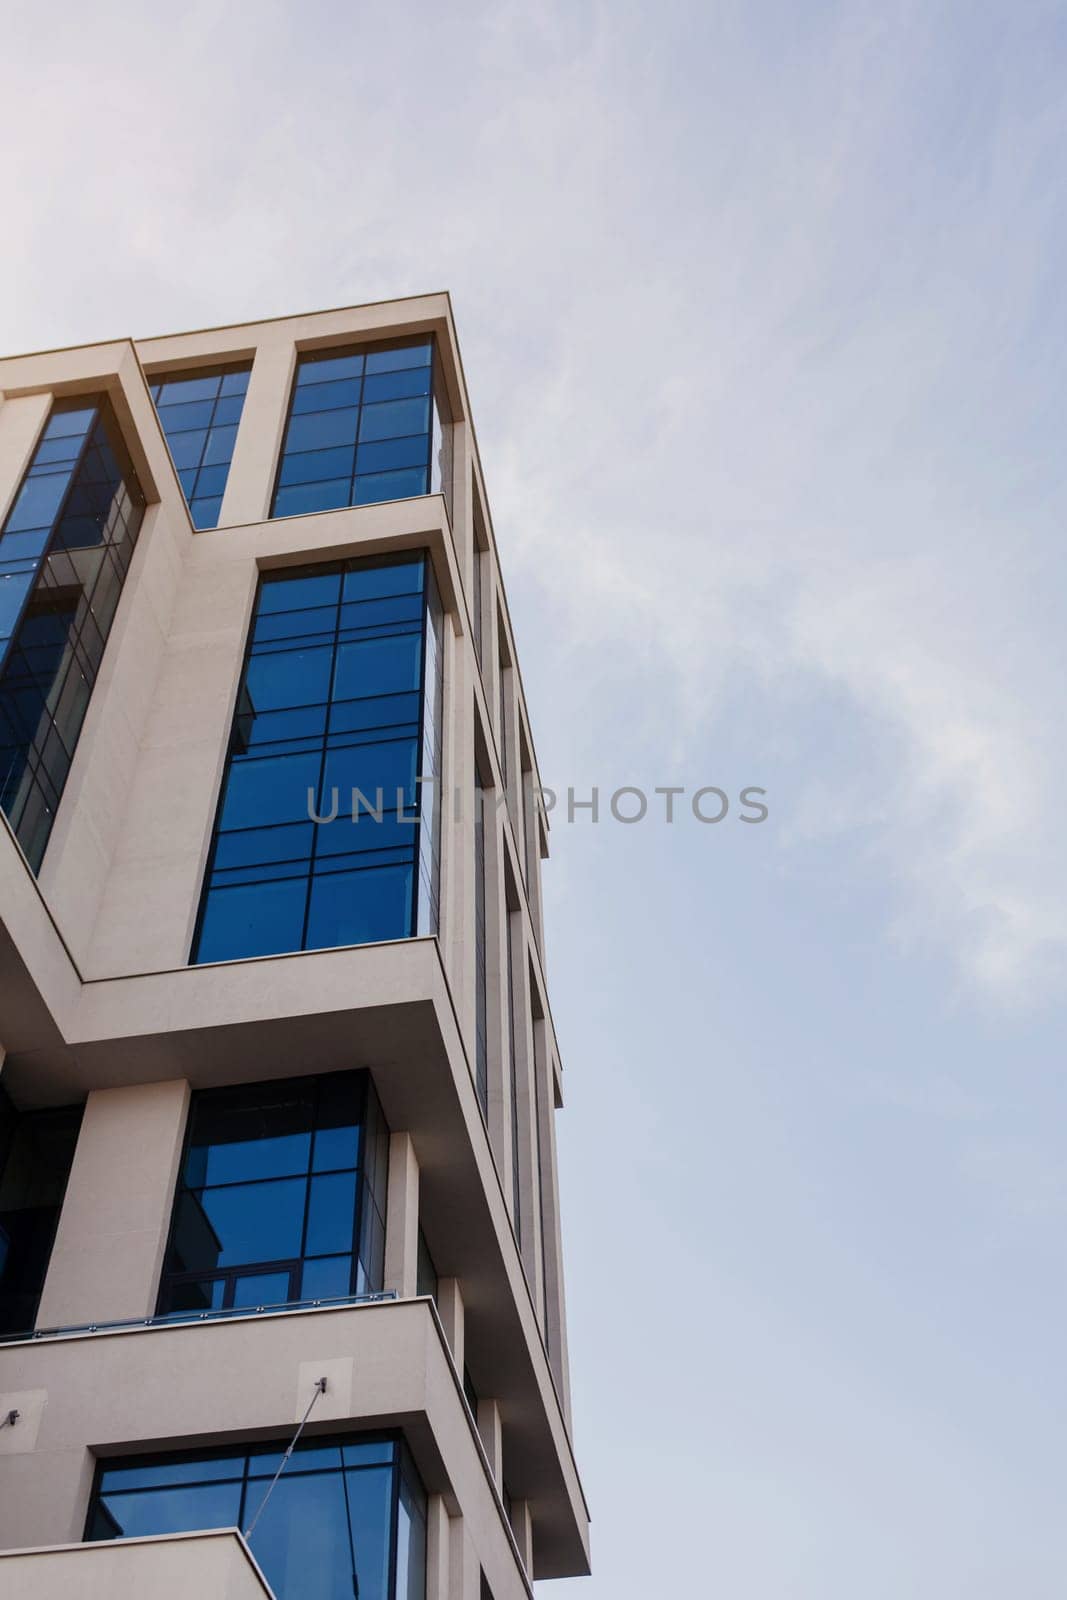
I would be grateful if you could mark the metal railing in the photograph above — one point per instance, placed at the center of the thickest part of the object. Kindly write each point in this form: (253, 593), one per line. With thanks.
(171, 1319)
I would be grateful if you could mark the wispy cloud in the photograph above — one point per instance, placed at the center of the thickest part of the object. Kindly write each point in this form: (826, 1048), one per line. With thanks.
(779, 419)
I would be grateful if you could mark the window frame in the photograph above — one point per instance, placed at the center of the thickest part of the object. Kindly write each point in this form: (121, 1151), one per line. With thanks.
(364, 1175)
(431, 598)
(92, 600)
(357, 347)
(402, 1467)
(155, 379)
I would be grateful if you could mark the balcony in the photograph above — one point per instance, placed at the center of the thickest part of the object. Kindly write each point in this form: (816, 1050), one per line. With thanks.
(163, 1385)
(217, 1565)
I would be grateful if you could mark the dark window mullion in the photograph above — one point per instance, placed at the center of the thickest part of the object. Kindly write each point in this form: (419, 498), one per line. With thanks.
(310, 1167)
(207, 440)
(246, 1465)
(413, 915)
(42, 560)
(394, 1523)
(429, 420)
(355, 447)
(74, 471)
(313, 857)
(281, 1177)
(357, 1206)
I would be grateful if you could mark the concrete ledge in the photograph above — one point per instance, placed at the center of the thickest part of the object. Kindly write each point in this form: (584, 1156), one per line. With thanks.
(216, 1565)
(195, 1386)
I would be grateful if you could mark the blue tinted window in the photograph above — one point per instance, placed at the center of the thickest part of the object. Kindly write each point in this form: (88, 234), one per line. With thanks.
(327, 369)
(317, 466)
(80, 492)
(300, 499)
(160, 1474)
(391, 453)
(280, 1197)
(175, 1509)
(199, 412)
(327, 396)
(390, 411)
(321, 818)
(358, 907)
(264, 1289)
(260, 919)
(70, 422)
(338, 1522)
(322, 430)
(397, 385)
(387, 486)
(37, 503)
(327, 1278)
(415, 354)
(331, 1213)
(392, 418)
(254, 1222)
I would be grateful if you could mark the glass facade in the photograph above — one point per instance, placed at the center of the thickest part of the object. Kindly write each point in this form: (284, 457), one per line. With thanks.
(36, 1151)
(324, 835)
(199, 412)
(364, 425)
(346, 1518)
(65, 549)
(281, 1196)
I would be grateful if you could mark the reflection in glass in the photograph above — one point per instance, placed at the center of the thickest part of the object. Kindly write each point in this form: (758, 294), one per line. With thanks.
(365, 427)
(65, 549)
(199, 412)
(339, 706)
(328, 1531)
(252, 1194)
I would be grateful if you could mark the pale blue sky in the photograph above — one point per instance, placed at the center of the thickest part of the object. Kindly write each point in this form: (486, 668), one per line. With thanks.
(763, 315)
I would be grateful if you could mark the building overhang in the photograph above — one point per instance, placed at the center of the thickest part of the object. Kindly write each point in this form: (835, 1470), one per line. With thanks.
(215, 1565)
(386, 1007)
(195, 1386)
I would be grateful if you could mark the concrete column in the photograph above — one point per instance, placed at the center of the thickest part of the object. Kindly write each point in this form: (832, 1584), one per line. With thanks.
(489, 1426)
(522, 1528)
(43, 1493)
(450, 1309)
(438, 1569)
(113, 1227)
(465, 1570)
(259, 436)
(402, 1218)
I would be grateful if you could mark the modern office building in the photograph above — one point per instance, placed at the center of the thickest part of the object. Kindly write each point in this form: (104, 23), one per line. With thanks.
(278, 1072)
